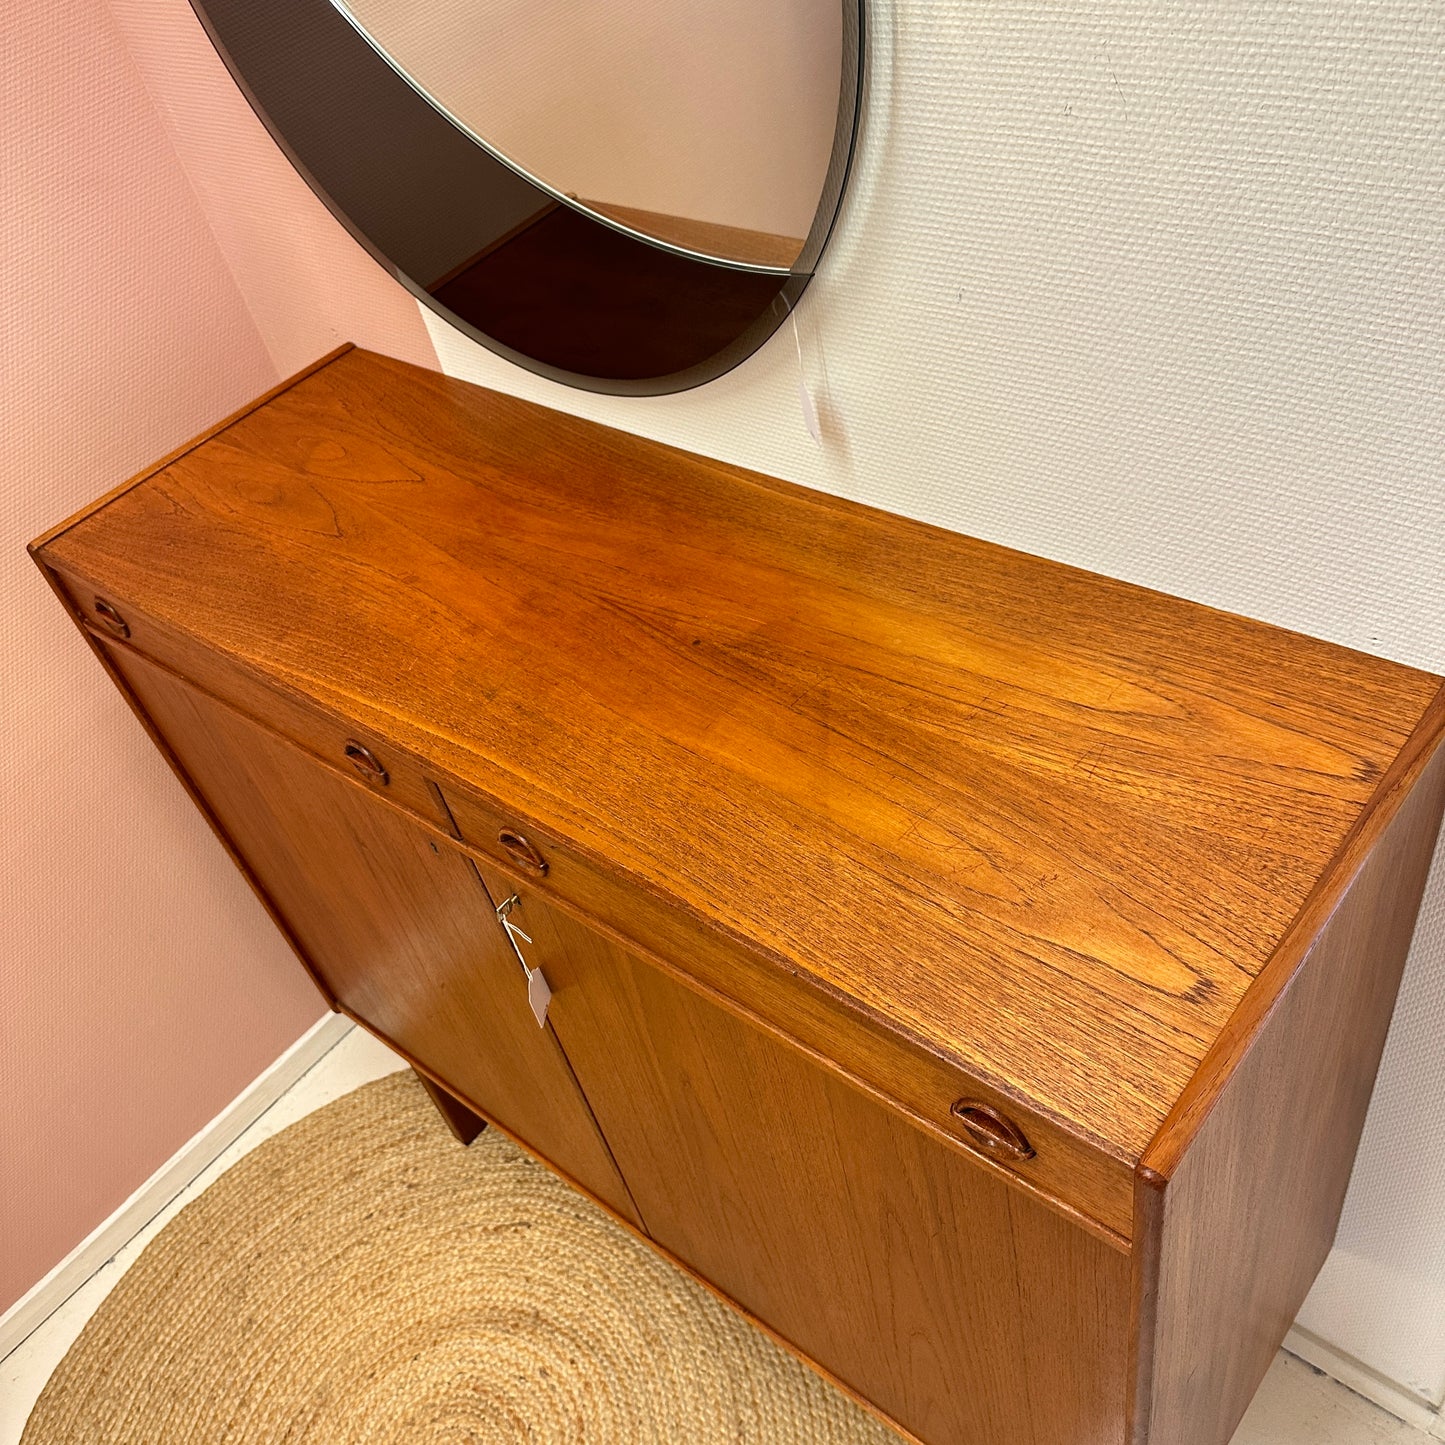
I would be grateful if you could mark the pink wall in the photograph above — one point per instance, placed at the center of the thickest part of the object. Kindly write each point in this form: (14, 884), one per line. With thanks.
(308, 285)
(141, 986)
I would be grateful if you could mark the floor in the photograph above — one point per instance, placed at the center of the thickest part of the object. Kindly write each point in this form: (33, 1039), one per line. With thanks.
(1296, 1405)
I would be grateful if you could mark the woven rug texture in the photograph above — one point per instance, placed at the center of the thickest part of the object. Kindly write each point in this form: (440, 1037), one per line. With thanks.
(361, 1279)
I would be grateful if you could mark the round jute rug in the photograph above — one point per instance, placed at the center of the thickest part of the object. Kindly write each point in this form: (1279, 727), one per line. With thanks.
(363, 1278)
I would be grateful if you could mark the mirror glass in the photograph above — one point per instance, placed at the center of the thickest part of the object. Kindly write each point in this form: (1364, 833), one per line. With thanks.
(626, 197)
(705, 124)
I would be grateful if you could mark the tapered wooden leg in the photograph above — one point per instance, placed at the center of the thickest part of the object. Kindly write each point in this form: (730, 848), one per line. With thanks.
(460, 1119)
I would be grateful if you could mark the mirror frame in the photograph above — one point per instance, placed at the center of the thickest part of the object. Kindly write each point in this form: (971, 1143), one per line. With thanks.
(396, 170)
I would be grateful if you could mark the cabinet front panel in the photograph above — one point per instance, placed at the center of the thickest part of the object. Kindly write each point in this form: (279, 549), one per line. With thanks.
(968, 1312)
(1061, 1166)
(396, 925)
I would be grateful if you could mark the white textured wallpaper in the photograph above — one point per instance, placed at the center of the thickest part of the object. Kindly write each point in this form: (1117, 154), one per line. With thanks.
(1156, 288)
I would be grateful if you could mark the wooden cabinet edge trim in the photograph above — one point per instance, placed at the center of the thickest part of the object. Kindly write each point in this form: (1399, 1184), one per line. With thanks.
(107, 498)
(1096, 1227)
(1143, 1300)
(99, 648)
(1251, 1014)
(1247, 1029)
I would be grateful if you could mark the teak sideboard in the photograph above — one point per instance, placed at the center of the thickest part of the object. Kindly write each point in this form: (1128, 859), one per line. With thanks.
(973, 968)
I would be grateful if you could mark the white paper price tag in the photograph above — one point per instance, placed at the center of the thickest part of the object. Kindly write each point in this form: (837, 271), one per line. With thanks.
(539, 995)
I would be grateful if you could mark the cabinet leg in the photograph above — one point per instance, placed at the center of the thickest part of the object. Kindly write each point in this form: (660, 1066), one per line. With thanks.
(460, 1119)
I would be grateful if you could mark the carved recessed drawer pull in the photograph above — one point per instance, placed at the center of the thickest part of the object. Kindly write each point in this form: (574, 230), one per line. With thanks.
(110, 619)
(991, 1132)
(519, 850)
(365, 763)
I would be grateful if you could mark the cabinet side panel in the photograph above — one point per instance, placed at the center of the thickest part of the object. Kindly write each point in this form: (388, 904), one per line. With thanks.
(965, 1311)
(1251, 1210)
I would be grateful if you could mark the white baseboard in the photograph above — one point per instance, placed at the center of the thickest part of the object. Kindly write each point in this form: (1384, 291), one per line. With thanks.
(1389, 1395)
(34, 1307)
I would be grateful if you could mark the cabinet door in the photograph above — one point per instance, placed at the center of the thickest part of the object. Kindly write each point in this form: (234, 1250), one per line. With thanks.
(395, 923)
(969, 1312)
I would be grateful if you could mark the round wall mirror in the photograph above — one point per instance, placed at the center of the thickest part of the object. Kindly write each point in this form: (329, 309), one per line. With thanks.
(629, 198)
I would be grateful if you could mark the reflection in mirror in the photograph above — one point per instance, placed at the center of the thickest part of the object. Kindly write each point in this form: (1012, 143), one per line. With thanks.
(709, 139)
(705, 124)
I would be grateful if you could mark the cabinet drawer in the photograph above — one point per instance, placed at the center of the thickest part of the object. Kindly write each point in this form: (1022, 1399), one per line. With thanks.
(354, 750)
(996, 1129)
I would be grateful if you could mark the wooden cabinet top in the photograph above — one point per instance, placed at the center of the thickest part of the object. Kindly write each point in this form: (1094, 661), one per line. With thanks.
(1044, 825)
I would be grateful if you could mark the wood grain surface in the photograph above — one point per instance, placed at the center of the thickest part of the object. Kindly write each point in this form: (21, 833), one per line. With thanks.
(398, 926)
(1045, 826)
(1231, 1238)
(1090, 1187)
(963, 1310)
